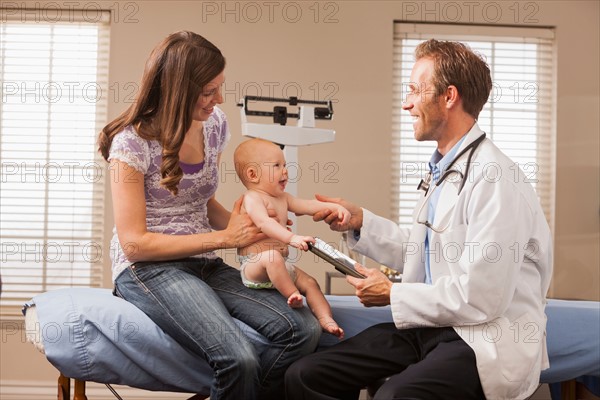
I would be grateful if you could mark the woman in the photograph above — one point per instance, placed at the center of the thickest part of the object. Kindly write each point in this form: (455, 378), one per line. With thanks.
(164, 152)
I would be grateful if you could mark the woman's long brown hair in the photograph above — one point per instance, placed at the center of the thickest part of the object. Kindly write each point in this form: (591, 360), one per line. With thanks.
(174, 77)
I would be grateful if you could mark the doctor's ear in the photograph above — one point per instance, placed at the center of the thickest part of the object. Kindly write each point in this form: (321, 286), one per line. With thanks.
(451, 96)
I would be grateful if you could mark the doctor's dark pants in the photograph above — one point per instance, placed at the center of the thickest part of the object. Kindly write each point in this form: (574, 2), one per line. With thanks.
(422, 363)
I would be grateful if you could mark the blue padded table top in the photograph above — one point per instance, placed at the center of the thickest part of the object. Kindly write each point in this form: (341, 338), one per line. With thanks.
(91, 335)
(573, 337)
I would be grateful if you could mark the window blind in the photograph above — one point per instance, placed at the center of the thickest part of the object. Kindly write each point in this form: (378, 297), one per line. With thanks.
(52, 197)
(519, 116)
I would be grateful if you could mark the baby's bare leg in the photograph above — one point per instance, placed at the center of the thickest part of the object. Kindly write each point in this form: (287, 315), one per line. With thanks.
(317, 303)
(270, 265)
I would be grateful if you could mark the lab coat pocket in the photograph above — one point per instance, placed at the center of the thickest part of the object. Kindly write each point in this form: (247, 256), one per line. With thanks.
(454, 233)
(450, 245)
(453, 236)
(519, 343)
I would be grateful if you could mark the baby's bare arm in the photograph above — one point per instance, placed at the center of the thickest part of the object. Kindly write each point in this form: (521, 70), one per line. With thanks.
(257, 210)
(311, 207)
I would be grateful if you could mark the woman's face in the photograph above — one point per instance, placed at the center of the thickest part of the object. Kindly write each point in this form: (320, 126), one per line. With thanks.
(210, 96)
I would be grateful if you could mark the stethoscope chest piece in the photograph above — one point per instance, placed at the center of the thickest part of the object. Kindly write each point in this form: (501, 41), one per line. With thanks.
(424, 184)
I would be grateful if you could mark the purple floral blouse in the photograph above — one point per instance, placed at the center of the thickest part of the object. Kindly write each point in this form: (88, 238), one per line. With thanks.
(185, 213)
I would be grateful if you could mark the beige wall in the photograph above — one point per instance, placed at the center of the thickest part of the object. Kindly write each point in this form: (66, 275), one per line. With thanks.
(346, 52)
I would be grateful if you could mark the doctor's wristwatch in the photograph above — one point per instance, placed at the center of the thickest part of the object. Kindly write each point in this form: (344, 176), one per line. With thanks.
(392, 274)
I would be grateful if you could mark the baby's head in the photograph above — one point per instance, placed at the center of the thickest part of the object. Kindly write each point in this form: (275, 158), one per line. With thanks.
(260, 164)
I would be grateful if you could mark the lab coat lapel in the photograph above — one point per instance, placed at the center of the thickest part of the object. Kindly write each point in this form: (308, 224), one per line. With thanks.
(446, 203)
(449, 189)
(414, 266)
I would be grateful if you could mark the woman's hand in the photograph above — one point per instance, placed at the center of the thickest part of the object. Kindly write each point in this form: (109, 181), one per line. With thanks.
(240, 230)
(332, 217)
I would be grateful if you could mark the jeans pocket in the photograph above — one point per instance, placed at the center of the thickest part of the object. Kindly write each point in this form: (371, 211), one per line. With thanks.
(137, 277)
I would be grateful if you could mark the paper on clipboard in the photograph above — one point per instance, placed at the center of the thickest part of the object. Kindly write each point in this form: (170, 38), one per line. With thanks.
(339, 260)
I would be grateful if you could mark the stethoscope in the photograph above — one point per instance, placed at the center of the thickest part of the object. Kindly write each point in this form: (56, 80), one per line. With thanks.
(425, 183)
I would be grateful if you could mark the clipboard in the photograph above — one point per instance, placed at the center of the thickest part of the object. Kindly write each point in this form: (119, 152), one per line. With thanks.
(339, 260)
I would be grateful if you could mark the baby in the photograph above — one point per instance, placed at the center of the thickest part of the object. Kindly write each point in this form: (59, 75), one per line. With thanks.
(261, 166)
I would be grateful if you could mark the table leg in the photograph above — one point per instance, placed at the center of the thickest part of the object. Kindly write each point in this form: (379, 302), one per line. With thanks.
(568, 390)
(64, 387)
(79, 390)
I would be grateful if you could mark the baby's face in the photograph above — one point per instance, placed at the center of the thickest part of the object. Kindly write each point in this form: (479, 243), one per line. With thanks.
(273, 175)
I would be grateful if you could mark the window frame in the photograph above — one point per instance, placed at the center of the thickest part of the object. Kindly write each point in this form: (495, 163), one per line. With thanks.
(72, 241)
(409, 157)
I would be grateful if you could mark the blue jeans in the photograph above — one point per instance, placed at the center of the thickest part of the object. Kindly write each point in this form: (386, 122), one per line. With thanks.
(194, 300)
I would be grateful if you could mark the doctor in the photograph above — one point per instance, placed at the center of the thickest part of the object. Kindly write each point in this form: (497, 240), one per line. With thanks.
(469, 318)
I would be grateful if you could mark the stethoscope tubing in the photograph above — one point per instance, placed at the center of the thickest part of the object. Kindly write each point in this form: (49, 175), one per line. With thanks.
(424, 184)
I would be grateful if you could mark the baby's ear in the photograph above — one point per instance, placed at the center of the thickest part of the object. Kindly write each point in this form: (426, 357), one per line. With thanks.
(252, 174)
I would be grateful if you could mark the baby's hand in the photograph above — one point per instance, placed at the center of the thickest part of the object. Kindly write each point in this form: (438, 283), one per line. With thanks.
(343, 215)
(300, 242)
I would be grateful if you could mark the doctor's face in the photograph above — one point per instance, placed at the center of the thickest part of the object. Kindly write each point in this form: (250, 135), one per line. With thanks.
(425, 107)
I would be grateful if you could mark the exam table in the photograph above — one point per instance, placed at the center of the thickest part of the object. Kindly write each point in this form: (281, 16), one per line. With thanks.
(90, 335)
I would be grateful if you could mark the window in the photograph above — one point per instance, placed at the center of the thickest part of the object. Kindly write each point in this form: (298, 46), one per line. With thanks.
(519, 116)
(51, 203)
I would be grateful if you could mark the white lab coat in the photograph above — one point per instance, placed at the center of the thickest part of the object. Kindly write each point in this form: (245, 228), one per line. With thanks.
(490, 269)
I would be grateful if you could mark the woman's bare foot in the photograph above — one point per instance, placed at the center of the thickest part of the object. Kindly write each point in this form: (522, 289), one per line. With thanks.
(295, 300)
(330, 326)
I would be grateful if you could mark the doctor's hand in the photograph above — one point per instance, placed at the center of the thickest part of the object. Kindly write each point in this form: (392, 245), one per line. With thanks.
(374, 290)
(332, 217)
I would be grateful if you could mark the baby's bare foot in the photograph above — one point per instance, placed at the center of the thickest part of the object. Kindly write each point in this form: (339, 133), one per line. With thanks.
(295, 300)
(330, 326)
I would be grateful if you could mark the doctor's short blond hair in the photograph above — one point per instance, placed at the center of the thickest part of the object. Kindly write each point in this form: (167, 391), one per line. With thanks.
(454, 63)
